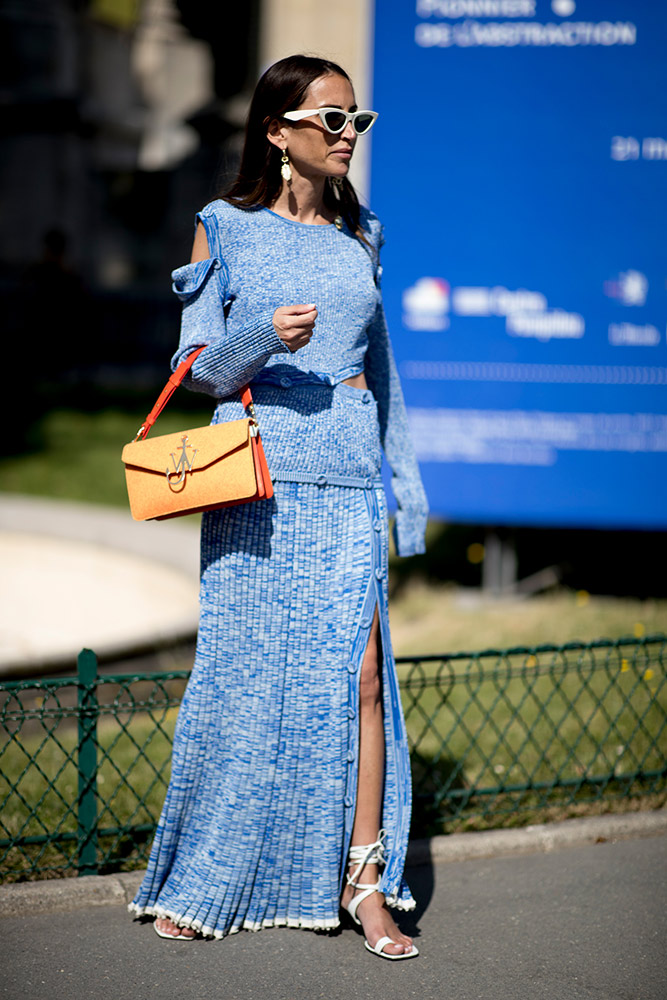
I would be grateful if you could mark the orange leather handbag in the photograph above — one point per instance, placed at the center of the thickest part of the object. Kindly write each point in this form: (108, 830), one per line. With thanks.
(195, 470)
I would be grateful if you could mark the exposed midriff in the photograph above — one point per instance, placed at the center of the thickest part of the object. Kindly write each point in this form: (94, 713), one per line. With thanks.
(356, 381)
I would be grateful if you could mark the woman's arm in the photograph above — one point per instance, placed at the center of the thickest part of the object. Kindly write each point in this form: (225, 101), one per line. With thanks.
(406, 483)
(230, 360)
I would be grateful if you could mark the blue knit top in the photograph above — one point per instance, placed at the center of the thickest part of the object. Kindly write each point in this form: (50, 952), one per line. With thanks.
(260, 261)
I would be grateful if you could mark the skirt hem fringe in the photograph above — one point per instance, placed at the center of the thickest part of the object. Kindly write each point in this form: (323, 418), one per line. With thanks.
(300, 923)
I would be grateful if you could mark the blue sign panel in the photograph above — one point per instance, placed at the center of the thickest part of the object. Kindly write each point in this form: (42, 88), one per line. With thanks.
(520, 168)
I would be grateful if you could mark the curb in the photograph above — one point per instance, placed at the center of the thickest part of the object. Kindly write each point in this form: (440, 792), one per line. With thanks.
(25, 899)
(538, 839)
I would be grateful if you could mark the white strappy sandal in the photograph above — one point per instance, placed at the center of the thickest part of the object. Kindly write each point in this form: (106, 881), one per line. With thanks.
(370, 854)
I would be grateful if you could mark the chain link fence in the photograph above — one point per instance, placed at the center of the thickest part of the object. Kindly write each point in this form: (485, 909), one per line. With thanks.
(497, 738)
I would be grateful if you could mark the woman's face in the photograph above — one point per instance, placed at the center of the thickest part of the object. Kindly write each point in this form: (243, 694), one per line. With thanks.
(312, 150)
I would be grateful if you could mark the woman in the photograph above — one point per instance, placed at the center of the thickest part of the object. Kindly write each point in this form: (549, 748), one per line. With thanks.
(290, 787)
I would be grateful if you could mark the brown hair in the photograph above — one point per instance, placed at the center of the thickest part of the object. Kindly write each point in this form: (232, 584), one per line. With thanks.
(282, 88)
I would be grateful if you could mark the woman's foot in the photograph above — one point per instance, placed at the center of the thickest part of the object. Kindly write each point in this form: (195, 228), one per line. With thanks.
(376, 919)
(167, 928)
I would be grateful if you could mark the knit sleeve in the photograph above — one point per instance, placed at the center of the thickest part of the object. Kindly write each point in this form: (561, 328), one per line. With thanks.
(229, 361)
(382, 378)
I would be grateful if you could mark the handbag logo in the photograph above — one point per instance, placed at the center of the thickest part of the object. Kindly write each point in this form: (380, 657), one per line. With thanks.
(176, 476)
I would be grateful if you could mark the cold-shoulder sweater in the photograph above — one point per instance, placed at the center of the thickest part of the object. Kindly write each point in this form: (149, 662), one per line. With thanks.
(258, 262)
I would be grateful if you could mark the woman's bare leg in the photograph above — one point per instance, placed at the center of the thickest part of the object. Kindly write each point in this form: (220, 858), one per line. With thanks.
(375, 917)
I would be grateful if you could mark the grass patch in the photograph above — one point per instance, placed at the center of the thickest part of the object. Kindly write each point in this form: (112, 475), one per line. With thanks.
(499, 740)
(496, 741)
(429, 619)
(39, 781)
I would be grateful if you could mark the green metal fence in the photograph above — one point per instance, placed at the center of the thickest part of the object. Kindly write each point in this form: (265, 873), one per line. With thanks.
(497, 738)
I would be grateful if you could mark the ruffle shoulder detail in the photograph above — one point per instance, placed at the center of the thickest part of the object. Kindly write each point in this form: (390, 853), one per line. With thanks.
(189, 280)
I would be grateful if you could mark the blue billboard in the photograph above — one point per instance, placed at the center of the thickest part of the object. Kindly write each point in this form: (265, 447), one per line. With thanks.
(520, 167)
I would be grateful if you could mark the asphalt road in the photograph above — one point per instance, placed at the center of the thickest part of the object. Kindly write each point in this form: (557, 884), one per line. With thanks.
(586, 922)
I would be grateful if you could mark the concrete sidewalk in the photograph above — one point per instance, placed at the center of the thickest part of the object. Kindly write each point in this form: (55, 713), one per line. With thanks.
(584, 923)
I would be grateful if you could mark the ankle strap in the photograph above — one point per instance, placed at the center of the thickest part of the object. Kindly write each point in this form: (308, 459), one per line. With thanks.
(366, 854)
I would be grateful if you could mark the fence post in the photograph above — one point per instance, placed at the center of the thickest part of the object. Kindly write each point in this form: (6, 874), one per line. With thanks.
(87, 760)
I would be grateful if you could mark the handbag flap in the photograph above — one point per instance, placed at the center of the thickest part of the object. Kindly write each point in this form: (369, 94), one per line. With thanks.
(193, 449)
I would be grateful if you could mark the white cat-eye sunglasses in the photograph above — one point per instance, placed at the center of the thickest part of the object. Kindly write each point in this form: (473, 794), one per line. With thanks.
(335, 119)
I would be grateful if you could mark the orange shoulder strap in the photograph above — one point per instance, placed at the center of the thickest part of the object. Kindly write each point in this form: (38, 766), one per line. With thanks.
(172, 385)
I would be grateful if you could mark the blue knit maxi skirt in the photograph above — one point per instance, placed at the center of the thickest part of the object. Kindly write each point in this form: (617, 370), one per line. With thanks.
(256, 824)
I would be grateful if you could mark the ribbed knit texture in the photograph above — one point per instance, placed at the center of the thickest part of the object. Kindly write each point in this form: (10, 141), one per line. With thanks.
(258, 817)
(260, 261)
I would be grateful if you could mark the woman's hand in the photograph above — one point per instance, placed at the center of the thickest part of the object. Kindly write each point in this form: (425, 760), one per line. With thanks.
(294, 325)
